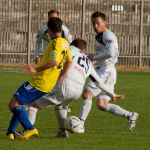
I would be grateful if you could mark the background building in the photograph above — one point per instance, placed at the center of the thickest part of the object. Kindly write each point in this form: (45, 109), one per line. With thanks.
(128, 19)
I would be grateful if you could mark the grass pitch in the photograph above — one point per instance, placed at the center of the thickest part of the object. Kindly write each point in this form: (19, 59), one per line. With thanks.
(103, 130)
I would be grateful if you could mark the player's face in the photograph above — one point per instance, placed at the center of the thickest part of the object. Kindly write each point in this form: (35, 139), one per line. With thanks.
(99, 24)
(53, 15)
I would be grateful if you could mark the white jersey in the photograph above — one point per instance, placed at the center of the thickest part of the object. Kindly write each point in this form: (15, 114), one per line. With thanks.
(106, 46)
(72, 86)
(106, 55)
(43, 35)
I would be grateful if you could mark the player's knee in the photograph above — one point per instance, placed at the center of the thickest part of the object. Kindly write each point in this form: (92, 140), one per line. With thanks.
(13, 103)
(101, 105)
(87, 94)
(10, 106)
(58, 107)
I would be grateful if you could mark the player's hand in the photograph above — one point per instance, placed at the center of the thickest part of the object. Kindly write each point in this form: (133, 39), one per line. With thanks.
(61, 78)
(37, 60)
(30, 69)
(118, 97)
(91, 56)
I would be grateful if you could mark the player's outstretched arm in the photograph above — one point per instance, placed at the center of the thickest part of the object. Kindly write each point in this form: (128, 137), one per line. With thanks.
(30, 69)
(33, 70)
(51, 64)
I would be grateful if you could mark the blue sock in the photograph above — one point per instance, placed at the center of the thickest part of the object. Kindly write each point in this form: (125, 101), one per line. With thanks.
(22, 116)
(13, 125)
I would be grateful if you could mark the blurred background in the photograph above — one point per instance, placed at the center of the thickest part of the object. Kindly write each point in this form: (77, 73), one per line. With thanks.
(20, 21)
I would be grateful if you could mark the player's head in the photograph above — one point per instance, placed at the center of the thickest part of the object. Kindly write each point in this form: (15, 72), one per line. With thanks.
(54, 26)
(98, 21)
(79, 43)
(53, 13)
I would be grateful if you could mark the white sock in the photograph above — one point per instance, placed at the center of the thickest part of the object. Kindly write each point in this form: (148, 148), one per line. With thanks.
(85, 109)
(117, 110)
(61, 115)
(31, 113)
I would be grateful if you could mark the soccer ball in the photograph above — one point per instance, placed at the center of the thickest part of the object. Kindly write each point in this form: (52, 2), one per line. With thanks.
(72, 123)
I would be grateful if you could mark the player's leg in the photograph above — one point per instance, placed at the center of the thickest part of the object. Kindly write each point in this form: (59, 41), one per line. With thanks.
(25, 94)
(12, 127)
(66, 92)
(87, 104)
(50, 100)
(90, 91)
(103, 104)
(31, 111)
(19, 115)
(43, 102)
(103, 100)
(109, 77)
(61, 115)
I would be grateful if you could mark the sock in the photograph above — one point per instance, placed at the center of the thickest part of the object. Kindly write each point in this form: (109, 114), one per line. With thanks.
(117, 110)
(31, 111)
(22, 117)
(13, 125)
(85, 109)
(61, 115)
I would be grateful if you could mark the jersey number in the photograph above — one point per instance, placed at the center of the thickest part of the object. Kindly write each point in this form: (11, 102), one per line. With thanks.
(63, 57)
(84, 63)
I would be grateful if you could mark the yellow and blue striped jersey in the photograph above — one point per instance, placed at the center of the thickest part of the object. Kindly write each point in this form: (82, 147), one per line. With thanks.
(58, 50)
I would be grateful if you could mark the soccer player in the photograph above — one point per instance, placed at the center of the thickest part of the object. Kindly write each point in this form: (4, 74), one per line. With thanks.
(72, 86)
(56, 56)
(43, 35)
(106, 46)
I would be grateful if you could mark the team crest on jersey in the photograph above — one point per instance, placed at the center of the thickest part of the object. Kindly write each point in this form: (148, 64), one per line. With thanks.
(65, 45)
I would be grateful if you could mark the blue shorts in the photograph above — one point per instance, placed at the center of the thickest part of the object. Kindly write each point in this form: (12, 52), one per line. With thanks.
(27, 94)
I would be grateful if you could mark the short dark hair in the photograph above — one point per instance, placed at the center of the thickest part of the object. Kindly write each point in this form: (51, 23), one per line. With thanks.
(79, 43)
(55, 24)
(53, 11)
(99, 14)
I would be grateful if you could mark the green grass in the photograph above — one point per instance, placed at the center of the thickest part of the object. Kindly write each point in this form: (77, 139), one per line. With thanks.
(103, 130)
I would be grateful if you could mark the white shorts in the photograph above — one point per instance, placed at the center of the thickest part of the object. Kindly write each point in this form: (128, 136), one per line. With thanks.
(47, 100)
(108, 74)
(64, 93)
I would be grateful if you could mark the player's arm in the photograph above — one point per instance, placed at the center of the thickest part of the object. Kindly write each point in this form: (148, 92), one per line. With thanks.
(54, 57)
(65, 69)
(33, 70)
(38, 45)
(109, 52)
(49, 65)
(95, 78)
(38, 42)
(67, 34)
